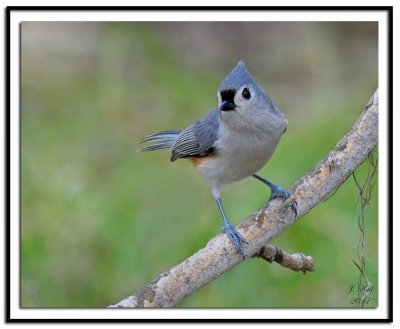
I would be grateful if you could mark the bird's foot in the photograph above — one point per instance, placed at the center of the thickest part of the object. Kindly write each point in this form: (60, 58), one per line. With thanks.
(235, 237)
(278, 191)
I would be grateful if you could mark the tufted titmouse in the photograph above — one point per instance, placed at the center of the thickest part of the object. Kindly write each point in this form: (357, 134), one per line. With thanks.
(232, 142)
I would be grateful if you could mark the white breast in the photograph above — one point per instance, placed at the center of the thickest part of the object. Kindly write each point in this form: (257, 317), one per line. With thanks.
(238, 155)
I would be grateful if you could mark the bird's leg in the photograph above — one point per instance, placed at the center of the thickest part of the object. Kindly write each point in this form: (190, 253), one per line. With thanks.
(230, 230)
(277, 191)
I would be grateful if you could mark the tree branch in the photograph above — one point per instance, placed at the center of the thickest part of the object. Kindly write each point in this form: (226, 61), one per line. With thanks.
(295, 262)
(219, 255)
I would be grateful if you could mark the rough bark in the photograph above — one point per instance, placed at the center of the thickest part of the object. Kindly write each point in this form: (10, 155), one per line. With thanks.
(295, 262)
(219, 255)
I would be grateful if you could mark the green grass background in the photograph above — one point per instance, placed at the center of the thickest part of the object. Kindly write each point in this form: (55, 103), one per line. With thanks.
(99, 220)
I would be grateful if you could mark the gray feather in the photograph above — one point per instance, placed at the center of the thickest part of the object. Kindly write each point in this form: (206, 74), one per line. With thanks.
(238, 77)
(198, 140)
(160, 140)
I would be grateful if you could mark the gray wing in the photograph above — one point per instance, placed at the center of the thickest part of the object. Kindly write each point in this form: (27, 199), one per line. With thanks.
(197, 140)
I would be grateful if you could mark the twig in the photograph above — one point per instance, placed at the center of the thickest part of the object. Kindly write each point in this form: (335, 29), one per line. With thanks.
(219, 255)
(295, 262)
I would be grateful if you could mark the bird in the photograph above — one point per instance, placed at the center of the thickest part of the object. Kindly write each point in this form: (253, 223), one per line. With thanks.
(232, 142)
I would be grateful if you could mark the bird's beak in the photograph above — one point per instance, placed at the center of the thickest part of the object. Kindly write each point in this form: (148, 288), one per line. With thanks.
(227, 105)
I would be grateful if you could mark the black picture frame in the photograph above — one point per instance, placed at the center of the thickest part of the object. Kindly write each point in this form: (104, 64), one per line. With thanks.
(388, 9)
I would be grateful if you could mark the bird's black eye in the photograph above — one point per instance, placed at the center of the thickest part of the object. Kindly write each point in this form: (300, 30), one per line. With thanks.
(246, 93)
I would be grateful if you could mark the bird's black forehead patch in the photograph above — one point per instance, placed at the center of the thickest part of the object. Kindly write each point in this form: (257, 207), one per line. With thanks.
(228, 94)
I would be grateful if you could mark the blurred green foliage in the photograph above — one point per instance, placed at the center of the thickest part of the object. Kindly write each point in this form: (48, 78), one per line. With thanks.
(100, 220)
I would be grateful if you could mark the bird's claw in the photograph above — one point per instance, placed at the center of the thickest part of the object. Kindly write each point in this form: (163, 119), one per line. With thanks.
(294, 208)
(235, 237)
(278, 191)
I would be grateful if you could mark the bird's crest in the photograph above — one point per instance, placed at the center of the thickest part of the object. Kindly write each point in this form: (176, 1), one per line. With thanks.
(238, 77)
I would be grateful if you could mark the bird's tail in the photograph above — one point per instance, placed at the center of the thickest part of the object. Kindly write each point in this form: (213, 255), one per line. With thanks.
(160, 140)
